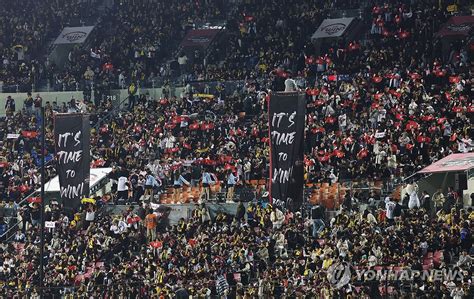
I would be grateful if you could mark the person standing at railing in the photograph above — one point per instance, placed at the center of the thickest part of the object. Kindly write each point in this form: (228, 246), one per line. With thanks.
(150, 183)
(123, 186)
(207, 181)
(231, 182)
(28, 104)
(317, 215)
(132, 91)
(178, 181)
(9, 106)
(150, 224)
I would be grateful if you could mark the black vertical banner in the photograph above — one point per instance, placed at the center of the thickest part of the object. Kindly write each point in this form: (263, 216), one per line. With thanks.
(72, 140)
(286, 111)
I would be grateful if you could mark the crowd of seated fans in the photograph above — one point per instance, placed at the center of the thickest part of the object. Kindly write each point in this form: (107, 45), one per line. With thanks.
(258, 252)
(378, 109)
(131, 40)
(25, 29)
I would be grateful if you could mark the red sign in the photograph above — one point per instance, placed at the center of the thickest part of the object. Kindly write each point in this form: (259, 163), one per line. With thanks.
(29, 134)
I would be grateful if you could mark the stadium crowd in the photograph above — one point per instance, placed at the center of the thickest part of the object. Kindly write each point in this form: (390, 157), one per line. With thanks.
(24, 36)
(380, 109)
(260, 252)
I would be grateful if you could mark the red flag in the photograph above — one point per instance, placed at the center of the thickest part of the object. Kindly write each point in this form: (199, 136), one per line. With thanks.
(415, 76)
(448, 96)
(363, 153)
(454, 79)
(399, 116)
(34, 200)
(176, 119)
(338, 153)
(29, 134)
(319, 102)
(330, 120)
(156, 244)
(132, 220)
(324, 158)
(404, 34)
(157, 130)
(194, 126)
(377, 79)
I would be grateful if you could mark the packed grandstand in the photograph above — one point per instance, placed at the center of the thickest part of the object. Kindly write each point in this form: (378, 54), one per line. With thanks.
(181, 121)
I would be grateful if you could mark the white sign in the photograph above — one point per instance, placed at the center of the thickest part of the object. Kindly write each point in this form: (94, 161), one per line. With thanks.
(50, 224)
(332, 28)
(380, 135)
(13, 136)
(73, 35)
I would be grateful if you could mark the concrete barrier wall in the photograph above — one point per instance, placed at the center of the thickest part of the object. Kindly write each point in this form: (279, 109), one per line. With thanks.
(183, 210)
(59, 97)
(65, 96)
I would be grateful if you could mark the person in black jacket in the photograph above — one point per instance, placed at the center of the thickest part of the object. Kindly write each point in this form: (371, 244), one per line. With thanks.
(317, 215)
(240, 215)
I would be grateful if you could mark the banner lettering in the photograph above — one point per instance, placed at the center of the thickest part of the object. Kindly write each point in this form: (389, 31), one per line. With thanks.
(286, 123)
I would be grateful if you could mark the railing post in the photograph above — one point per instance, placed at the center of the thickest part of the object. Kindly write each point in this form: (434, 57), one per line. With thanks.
(154, 90)
(92, 92)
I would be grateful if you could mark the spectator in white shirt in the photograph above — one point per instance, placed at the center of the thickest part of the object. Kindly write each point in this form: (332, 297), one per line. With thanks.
(290, 85)
(122, 188)
(389, 209)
